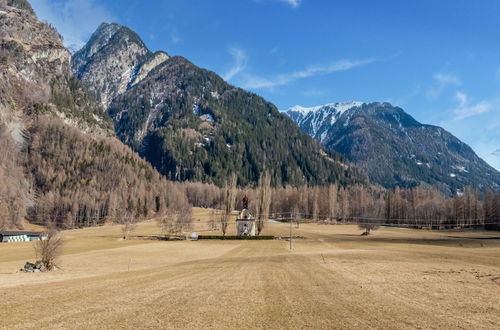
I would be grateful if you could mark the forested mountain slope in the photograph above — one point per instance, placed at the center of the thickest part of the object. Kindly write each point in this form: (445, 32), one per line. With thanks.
(82, 180)
(191, 125)
(60, 163)
(394, 149)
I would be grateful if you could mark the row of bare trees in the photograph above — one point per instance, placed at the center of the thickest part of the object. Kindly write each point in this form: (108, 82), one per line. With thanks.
(368, 206)
(371, 206)
(428, 207)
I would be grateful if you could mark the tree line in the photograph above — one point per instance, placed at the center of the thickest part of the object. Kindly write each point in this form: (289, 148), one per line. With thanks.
(371, 206)
(66, 179)
(367, 206)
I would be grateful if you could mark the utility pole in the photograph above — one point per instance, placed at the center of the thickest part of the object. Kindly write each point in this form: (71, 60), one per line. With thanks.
(291, 232)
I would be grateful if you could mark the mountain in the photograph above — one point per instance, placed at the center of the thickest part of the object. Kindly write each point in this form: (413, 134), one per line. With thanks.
(61, 163)
(192, 125)
(114, 59)
(394, 149)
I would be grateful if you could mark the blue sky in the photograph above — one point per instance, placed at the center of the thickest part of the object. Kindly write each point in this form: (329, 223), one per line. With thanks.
(437, 59)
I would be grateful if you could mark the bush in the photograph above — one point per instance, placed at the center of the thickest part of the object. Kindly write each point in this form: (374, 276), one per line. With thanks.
(50, 249)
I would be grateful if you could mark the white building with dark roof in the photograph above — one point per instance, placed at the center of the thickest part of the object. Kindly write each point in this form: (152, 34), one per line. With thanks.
(21, 236)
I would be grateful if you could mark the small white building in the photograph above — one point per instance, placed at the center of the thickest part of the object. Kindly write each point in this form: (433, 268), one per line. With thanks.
(21, 236)
(245, 224)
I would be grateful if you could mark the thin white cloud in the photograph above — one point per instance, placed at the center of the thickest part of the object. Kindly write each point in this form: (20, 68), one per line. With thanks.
(256, 82)
(447, 79)
(75, 20)
(175, 36)
(466, 110)
(291, 3)
(240, 63)
(441, 82)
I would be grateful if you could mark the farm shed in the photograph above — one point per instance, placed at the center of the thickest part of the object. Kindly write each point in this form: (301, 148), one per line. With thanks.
(21, 236)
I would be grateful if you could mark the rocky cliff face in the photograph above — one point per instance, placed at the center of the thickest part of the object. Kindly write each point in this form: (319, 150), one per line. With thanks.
(113, 60)
(395, 149)
(36, 73)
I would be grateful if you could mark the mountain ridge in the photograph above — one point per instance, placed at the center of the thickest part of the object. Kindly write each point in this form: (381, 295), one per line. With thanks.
(395, 149)
(315, 120)
(192, 125)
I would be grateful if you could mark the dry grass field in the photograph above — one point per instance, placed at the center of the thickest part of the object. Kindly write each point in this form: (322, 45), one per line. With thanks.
(333, 278)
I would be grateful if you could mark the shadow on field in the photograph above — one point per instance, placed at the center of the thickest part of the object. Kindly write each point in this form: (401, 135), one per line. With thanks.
(446, 241)
(478, 237)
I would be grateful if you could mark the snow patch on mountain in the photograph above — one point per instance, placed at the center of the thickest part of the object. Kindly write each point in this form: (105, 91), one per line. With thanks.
(460, 168)
(207, 117)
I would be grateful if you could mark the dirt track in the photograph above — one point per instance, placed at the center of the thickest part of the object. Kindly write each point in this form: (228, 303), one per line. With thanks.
(333, 279)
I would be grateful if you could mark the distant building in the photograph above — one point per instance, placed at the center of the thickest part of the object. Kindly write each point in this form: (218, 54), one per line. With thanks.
(245, 224)
(21, 236)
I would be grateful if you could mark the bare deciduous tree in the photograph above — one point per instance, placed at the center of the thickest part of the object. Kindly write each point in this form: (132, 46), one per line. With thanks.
(315, 204)
(263, 201)
(128, 226)
(295, 216)
(177, 219)
(49, 249)
(184, 219)
(332, 202)
(228, 201)
(212, 222)
(166, 222)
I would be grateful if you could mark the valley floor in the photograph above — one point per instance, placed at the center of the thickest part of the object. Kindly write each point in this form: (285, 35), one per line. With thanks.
(333, 278)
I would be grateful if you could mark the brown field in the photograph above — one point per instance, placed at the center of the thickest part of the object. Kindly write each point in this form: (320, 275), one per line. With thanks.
(334, 278)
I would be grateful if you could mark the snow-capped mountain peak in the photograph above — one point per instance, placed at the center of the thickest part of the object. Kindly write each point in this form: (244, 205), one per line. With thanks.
(316, 120)
(338, 106)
